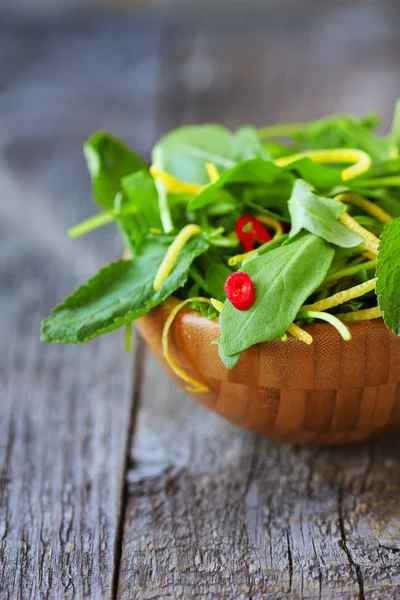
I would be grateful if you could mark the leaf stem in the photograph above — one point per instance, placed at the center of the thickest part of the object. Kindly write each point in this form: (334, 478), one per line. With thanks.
(163, 206)
(371, 264)
(103, 218)
(223, 242)
(165, 213)
(341, 328)
(393, 181)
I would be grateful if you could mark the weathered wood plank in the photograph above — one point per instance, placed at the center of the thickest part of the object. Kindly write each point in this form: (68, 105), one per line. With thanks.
(65, 412)
(214, 511)
(64, 421)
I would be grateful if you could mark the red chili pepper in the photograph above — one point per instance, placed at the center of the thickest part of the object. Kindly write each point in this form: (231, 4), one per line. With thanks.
(239, 289)
(253, 231)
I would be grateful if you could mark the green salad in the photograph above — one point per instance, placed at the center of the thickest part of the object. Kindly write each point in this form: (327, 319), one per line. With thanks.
(269, 230)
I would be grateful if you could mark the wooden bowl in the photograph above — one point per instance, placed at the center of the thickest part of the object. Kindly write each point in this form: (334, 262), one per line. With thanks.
(332, 392)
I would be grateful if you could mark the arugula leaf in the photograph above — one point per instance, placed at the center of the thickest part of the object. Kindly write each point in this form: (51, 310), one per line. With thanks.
(142, 197)
(108, 160)
(249, 143)
(317, 175)
(184, 152)
(256, 170)
(283, 280)
(216, 275)
(120, 293)
(259, 171)
(267, 247)
(319, 216)
(229, 361)
(346, 131)
(388, 274)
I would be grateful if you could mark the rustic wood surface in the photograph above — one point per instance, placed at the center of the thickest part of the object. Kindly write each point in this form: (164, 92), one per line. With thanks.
(113, 483)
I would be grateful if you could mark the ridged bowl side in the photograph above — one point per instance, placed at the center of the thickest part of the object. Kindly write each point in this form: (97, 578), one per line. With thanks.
(332, 392)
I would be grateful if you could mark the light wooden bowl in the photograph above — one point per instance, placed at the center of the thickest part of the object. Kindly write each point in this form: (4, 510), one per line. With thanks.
(332, 392)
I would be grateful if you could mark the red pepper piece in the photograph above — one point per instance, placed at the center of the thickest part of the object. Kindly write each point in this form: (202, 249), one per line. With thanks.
(254, 231)
(239, 289)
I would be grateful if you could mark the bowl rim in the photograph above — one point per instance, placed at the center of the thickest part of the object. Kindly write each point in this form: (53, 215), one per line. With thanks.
(186, 311)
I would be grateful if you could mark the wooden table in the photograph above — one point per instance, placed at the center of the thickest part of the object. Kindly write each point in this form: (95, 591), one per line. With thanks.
(114, 484)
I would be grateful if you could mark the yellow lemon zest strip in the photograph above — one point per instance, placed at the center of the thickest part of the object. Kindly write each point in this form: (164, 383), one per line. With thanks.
(362, 161)
(272, 223)
(371, 242)
(341, 297)
(212, 172)
(300, 334)
(155, 230)
(361, 315)
(217, 304)
(234, 260)
(367, 205)
(172, 253)
(197, 386)
(174, 185)
(369, 255)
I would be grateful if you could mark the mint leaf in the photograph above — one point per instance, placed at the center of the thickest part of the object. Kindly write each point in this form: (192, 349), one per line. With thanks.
(184, 151)
(319, 215)
(108, 160)
(283, 280)
(388, 274)
(120, 293)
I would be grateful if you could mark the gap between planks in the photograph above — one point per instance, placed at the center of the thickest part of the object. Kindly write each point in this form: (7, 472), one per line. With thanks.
(136, 400)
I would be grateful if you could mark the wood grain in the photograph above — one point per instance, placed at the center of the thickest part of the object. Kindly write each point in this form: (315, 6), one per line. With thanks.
(65, 412)
(64, 427)
(209, 510)
(290, 391)
(216, 512)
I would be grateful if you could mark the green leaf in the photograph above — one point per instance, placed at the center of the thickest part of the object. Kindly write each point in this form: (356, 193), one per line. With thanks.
(142, 199)
(184, 151)
(253, 171)
(388, 274)
(109, 159)
(258, 171)
(229, 361)
(283, 280)
(216, 275)
(395, 128)
(120, 293)
(346, 131)
(319, 215)
(267, 247)
(317, 175)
